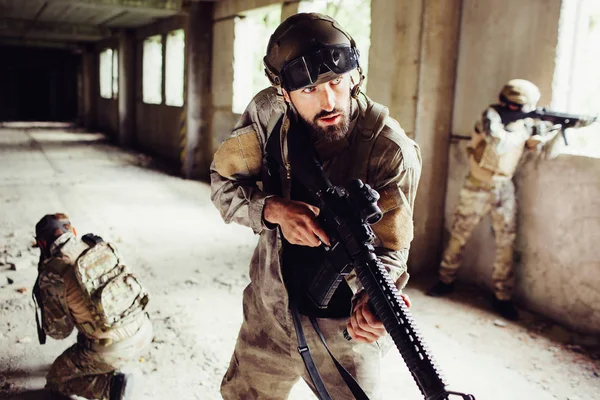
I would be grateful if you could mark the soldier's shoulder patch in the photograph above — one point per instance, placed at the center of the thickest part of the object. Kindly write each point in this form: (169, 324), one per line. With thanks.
(240, 155)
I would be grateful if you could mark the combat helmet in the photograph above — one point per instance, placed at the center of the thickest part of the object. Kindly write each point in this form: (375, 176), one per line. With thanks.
(309, 49)
(520, 92)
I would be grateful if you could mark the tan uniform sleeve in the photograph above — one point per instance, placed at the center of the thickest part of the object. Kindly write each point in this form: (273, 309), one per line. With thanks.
(394, 172)
(237, 165)
(56, 321)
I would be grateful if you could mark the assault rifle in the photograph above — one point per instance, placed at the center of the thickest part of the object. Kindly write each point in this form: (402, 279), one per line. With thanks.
(346, 216)
(564, 119)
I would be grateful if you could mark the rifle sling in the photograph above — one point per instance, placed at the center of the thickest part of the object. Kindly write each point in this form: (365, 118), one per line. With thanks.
(35, 295)
(311, 367)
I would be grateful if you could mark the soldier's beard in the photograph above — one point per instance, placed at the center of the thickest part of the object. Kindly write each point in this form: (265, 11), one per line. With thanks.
(329, 133)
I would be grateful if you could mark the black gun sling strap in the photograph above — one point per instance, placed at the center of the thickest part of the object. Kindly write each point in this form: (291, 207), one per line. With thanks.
(369, 128)
(311, 367)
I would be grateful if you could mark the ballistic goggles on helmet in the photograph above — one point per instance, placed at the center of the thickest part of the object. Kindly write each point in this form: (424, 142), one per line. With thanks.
(305, 70)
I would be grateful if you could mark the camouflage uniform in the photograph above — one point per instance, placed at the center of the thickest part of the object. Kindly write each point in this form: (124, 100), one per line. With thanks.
(477, 200)
(266, 363)
(494, 155)
(86, 368)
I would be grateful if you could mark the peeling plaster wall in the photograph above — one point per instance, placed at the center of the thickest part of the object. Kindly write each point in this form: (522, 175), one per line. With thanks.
(559, 274)
(558, 260)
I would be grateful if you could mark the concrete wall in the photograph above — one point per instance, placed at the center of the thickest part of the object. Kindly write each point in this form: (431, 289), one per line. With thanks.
(559, 236)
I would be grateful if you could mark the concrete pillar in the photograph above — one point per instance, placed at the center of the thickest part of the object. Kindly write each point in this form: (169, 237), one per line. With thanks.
(289, 8)
(90, 87)
(437, 77)
(412, 70)
(198, 148)
(126, 89)
(394, 58)
(80, 94)
(222, 76)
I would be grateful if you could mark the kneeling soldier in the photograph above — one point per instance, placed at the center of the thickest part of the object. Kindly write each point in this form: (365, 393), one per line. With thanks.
(84, 284)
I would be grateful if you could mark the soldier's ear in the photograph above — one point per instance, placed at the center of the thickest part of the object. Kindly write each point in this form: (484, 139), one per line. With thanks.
(286, 96)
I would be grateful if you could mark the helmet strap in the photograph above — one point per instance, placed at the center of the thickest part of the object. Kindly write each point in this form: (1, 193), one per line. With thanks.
(271, 74)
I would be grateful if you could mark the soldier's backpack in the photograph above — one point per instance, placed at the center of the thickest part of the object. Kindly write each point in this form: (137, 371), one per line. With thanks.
(114, 295)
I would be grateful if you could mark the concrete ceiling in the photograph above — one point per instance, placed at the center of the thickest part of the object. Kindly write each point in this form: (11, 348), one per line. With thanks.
(69, 21)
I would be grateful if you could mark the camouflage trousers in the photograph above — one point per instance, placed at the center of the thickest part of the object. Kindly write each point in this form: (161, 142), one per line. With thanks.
(476, 200)
(266, 363)
(87, 370)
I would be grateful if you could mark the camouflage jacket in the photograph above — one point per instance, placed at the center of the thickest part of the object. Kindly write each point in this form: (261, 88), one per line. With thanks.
(57, 320)
(496, 148)
(393, 168)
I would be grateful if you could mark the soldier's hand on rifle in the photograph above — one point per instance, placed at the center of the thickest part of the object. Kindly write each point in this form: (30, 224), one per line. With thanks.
(297, 220)
(364, 326)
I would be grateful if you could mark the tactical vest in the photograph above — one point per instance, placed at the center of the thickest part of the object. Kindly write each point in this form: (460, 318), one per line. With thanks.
(300, 263)
(486, 163)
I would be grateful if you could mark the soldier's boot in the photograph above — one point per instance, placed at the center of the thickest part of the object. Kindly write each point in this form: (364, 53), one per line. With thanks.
(121, 387)
(506, 309)
(441, 289)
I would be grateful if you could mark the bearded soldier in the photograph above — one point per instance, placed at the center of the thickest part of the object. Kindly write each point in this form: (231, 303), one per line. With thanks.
(84, 284)
(313, 65)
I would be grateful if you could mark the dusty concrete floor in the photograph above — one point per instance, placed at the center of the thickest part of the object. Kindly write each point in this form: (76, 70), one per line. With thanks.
(196, 268)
